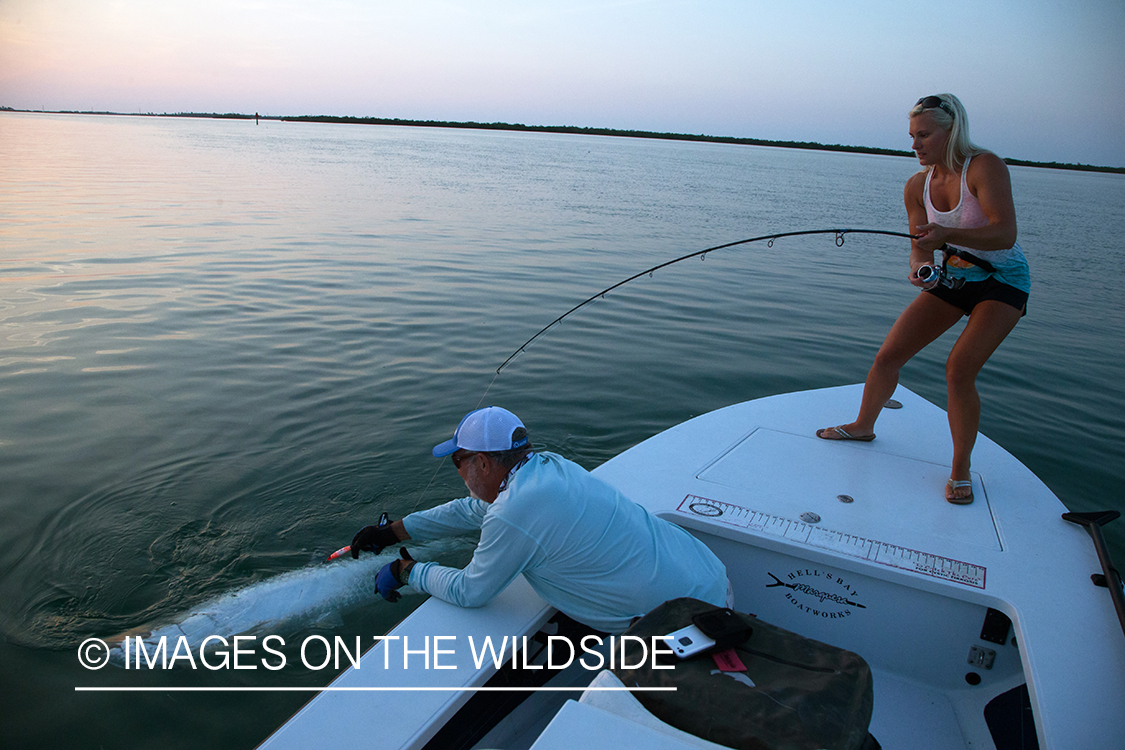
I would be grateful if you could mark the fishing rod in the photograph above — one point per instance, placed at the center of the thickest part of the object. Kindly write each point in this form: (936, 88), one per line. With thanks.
(769, 238)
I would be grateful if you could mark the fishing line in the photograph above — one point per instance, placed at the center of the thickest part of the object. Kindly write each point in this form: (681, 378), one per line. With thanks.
(768, 238)
(442, 463)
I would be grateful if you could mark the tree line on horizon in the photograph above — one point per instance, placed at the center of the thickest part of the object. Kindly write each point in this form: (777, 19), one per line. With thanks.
(570, 129)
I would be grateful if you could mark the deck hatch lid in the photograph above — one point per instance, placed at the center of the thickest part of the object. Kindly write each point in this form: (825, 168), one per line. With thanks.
(895, 498)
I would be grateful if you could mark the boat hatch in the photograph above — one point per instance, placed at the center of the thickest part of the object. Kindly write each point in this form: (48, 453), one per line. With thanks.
(899, 496)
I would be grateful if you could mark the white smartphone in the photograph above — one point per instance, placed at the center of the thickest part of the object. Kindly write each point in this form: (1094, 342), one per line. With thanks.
(688, 641)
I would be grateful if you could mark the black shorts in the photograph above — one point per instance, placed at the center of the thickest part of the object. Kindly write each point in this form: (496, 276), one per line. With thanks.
(974, 292)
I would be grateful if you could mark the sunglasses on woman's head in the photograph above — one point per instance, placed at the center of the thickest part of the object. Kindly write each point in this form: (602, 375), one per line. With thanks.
(935, 102)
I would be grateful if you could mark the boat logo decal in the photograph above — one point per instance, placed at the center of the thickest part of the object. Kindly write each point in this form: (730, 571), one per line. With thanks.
(799, 532)
(807, 593)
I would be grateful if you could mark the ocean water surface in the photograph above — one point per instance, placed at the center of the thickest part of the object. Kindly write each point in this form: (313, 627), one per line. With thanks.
(224, 347)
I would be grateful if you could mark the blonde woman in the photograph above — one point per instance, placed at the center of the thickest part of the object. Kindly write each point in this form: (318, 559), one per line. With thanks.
(959, 204)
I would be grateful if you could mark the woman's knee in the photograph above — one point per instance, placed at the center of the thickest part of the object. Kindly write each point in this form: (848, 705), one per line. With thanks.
(890, 359)
(961, 373)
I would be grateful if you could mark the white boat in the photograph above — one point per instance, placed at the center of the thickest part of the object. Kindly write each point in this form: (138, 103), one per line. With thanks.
(955, 608)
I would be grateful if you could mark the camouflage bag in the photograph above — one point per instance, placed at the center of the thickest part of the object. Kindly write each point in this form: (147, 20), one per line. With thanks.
(795, 693)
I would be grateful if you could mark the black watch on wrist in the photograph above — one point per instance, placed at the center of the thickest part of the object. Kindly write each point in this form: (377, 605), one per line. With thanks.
(402, 574)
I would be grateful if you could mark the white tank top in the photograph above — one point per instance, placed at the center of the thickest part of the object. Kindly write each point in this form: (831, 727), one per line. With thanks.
(1010, 264)
(967, 214)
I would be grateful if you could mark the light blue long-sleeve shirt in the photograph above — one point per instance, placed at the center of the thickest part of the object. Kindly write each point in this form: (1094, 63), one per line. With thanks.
(583, 546)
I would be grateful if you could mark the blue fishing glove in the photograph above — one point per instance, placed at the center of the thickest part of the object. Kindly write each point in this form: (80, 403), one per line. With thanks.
(386, 583)
(373, 538)
(390, 577)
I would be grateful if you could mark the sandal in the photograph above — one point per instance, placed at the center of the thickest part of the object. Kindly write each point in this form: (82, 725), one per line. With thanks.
(951, 488)
(838, 433)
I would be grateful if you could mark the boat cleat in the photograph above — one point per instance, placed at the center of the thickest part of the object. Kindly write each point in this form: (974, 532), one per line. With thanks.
(981, 657)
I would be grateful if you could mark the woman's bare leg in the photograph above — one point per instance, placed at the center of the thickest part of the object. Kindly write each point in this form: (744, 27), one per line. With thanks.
(990, 324)
(923, 321)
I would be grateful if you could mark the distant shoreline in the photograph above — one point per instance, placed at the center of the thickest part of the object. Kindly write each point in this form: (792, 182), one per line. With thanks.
(566, 129)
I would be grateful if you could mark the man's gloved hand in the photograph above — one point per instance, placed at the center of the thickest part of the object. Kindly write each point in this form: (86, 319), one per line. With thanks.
(392, 577)
(373, 538)
(386, 583)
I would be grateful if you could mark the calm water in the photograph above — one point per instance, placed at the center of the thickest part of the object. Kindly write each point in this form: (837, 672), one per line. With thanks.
(224, 347)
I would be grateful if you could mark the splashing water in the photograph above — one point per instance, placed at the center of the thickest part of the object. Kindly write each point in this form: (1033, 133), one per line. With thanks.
(280, 605)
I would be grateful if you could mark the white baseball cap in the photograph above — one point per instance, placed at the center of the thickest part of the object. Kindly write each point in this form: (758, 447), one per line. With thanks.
(486, 430)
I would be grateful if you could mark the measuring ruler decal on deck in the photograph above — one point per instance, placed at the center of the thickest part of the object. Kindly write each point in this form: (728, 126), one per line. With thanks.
(871, 550)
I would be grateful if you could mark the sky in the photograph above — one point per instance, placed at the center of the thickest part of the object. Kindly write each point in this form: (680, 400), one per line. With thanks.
(1042, 80)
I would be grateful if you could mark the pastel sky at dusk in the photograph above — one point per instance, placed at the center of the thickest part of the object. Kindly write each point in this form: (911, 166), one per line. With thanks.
(1042, 79)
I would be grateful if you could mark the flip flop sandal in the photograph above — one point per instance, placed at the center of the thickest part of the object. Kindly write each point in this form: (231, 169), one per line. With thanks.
(843, 435)
(956, 484)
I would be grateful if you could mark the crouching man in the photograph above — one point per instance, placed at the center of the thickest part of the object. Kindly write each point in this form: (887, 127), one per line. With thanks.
(584, 547)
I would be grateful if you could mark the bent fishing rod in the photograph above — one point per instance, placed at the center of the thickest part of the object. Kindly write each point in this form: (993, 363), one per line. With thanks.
(768, 238)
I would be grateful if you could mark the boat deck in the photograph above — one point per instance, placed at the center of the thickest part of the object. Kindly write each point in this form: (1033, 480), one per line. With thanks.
(925, 571)
(849, 543)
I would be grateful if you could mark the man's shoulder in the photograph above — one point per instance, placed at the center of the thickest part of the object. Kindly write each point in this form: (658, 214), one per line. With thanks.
(547, 457)
(548, 469)
(546, 477)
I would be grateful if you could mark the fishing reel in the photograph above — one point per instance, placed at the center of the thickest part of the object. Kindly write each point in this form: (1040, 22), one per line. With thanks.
(938, 277)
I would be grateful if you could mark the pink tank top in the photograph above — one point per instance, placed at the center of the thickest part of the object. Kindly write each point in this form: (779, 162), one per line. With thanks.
(967, 214)
(1009, 266)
